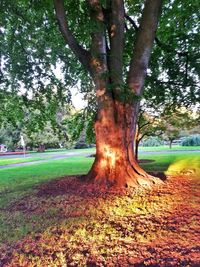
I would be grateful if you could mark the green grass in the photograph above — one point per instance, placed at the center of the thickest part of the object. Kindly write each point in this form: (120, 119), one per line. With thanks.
(48, 153)
(19, 182)
(153, 148)
(172, 162)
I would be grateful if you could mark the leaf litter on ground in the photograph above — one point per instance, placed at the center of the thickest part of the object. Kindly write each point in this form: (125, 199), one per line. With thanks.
(73, 223)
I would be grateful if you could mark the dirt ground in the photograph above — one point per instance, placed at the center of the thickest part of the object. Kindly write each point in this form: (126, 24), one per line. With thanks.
(86, 225)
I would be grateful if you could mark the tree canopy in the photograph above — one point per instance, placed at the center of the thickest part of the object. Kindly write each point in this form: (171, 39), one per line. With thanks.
(32, 47)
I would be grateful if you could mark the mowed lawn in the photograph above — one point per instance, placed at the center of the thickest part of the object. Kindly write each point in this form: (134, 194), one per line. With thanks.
(24, 213)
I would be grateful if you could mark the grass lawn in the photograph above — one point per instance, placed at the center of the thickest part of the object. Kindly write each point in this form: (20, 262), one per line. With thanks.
(50, 153)
(23, 213)
(18, 181)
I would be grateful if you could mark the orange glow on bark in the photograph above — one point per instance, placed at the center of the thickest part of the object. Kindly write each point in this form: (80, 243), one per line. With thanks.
(110, 156)
(113, 28)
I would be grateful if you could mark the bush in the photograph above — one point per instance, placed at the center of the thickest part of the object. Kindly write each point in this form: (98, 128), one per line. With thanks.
(192, 140)
(152, 141)
(81, 145)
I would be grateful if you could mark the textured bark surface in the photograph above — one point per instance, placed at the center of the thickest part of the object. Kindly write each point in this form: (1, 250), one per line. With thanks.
(115, 164)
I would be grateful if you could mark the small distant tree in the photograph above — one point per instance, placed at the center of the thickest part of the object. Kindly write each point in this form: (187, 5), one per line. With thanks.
(175, 122)
(43, 138)
(170, 124)
(148, 125)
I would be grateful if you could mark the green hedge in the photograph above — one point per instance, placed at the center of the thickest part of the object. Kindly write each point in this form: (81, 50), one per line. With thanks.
(152, 141)
(192, 140)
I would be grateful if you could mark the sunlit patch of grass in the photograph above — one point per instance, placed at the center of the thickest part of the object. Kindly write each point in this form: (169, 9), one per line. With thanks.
(187, 166)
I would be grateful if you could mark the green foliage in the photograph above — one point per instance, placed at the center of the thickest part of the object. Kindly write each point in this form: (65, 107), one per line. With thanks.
(192, 140)
(174, 68)
(28, 63)
(10, 135)
(81, 123)
(175, 121)
(152, 141)
(38, 128)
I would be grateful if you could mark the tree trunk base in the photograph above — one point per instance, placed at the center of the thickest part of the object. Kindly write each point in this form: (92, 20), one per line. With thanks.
(124, 175)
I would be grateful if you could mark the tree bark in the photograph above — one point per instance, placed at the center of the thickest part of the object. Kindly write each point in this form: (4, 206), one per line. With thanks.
(170, 143)
(41, 148)
(115, 163)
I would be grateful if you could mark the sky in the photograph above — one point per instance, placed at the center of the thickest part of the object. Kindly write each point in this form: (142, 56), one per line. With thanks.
(77, 98)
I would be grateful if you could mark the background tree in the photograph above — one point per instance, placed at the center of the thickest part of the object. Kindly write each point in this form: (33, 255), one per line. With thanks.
(42, 139)
(175, 123)
(10, 135)
(148, 125)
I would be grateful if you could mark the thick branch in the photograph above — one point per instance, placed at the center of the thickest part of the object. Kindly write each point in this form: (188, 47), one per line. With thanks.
(98, 45)
(82, 54)
(116, 34)
(143, 125)
(143, 45)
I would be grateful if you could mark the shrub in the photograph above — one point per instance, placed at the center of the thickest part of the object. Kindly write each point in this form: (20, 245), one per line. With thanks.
(192, 140)
(152, 141)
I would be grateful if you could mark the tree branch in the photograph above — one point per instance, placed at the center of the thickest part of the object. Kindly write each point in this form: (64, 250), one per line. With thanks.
(143, 45)
(82, 54)
(116, 34)
(143, 125)
(98, 45)
(131, 21)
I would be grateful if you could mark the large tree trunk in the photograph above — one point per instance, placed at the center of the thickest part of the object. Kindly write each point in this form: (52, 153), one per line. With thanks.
(115, 164)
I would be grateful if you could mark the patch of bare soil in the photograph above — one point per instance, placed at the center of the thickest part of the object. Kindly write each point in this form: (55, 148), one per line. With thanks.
(97, 227)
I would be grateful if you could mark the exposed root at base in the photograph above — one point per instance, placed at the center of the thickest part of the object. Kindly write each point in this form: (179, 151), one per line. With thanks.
(127, 179)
